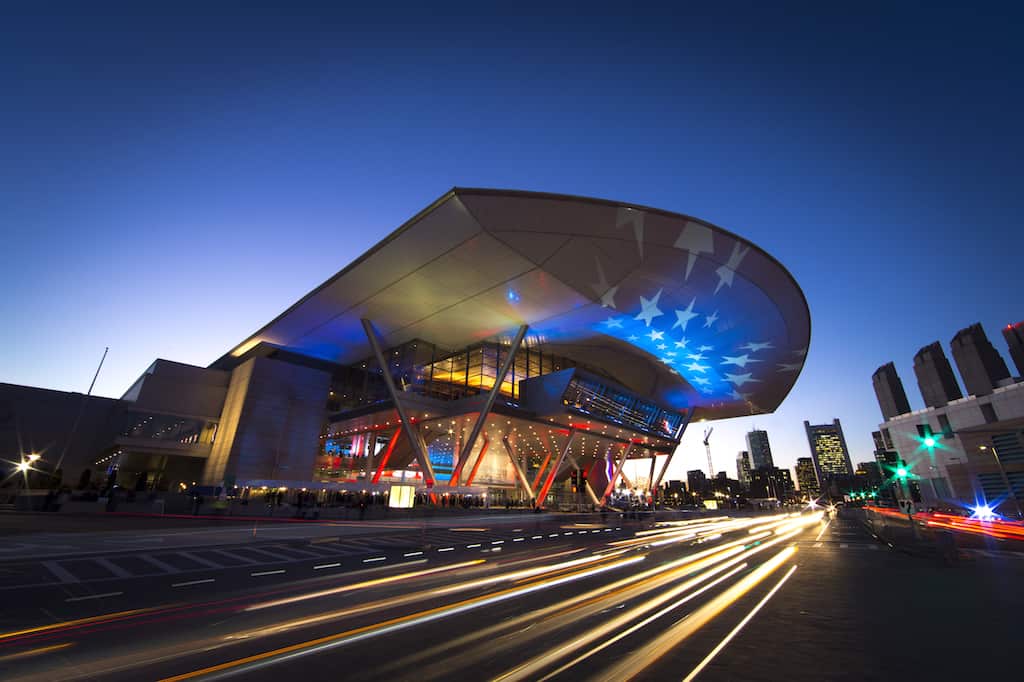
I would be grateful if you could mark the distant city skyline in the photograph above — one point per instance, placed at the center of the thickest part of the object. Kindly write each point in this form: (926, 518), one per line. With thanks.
(167, 193)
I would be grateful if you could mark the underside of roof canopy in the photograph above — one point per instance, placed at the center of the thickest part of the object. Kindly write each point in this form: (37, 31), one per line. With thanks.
(670, 306)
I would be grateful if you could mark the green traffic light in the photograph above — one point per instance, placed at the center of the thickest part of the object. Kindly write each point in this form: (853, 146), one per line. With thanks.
(901, 472)
(929, 442)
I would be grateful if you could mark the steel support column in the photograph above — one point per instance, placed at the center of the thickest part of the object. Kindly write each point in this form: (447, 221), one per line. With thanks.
(479, 458)
(485, 410)
(555, 467)
(650, 477)
(519, 469)
(618, 472)
(387, 455)
(586, 479)
(672, 454)
(418, 446)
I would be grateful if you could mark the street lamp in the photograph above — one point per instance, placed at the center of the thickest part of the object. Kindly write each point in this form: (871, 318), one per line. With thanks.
(1002, 472)
(33, 457)
(22, 466)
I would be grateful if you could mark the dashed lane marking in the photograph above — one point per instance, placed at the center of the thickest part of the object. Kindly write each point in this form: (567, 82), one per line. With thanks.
(259, 573)
(194, 582)
(94, 596)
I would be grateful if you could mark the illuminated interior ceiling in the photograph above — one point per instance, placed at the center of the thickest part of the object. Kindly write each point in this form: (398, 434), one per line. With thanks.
(674, 308)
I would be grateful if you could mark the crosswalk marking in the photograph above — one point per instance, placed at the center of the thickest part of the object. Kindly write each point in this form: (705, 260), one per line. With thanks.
(200, 560)
(112, 567)
(62, 573)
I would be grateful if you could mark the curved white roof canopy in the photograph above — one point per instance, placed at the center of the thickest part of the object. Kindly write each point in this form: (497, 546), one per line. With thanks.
(671, 306)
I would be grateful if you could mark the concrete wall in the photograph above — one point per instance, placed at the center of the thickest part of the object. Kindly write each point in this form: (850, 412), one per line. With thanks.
(271, 422)
(181, 389)
(42, 421)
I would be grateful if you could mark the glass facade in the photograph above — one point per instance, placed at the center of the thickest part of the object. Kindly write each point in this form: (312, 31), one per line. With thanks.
(593, 398)
(163, 427)
(424, 368)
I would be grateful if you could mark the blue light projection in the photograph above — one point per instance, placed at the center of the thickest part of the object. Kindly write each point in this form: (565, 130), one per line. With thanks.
(721, 361)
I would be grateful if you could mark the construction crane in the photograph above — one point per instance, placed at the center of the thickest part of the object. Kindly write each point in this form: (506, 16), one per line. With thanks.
(707, 447)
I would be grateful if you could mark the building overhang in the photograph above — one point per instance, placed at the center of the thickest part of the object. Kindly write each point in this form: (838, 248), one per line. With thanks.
(675, 308)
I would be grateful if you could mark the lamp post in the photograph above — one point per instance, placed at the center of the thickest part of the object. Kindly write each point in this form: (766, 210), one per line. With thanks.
(1006, 480)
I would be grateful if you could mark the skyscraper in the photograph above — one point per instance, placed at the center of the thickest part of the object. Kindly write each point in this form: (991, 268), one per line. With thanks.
(806, 477)
(697, 482)
(828, 450)
(759, 449)
(743, 468)
(892, 399)
(981, 367)
(935, 376)
(1014, 335)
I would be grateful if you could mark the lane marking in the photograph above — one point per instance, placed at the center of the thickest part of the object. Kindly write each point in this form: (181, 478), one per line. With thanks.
(843, 545)
(408, 554)
(334, 565)
(193, 582)
(113, 568)
(553, 535)
(472, 546)
(446, 549)
(817, 544)
(258, 573)
(63, 575)
(163, 566)
(498, 542)
(95, 596)
(536, 537)
(518, 539)
(200, 560)
(377, 558)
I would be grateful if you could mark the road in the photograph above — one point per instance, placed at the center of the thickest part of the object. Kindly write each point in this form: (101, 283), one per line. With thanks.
(520, 598)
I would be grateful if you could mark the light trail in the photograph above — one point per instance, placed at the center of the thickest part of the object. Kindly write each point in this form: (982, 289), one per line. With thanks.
(625, 633)
(529, 669)
(640, 659)
(376, 582)
(735, 631)
(282, 654)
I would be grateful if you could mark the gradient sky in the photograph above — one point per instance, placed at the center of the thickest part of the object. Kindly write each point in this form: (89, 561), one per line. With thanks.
(170, 180)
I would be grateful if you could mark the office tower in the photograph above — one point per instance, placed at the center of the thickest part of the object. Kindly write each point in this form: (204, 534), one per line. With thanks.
(828, 450)
(892, 399)
(869, 473)
(696, 482)
(935, 376)
(981, 367)
(743, 468)
(1014, 335)
(771, 482)
(806, 477)
(759, 449)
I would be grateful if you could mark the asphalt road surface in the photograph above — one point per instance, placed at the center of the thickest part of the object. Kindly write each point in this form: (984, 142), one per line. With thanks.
(786, 597)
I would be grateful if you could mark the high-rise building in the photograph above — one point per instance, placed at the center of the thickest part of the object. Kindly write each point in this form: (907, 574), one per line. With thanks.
(981, 367)
(806, 477)
(743, 468)
(869, 474)
(759, 449)
(892, 399)
(697, 482)
(1014, 335)
(935, 376)
(828, 450)
(771, 482)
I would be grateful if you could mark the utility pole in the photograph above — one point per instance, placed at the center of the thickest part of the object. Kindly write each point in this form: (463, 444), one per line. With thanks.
(81, 408)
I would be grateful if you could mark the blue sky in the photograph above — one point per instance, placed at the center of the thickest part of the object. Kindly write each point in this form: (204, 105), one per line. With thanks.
(173, 179)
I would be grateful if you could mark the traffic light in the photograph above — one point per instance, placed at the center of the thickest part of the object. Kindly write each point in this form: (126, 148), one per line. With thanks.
(901, 473)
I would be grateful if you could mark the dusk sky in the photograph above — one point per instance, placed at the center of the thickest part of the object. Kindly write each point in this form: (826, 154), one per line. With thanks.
(172, 180)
